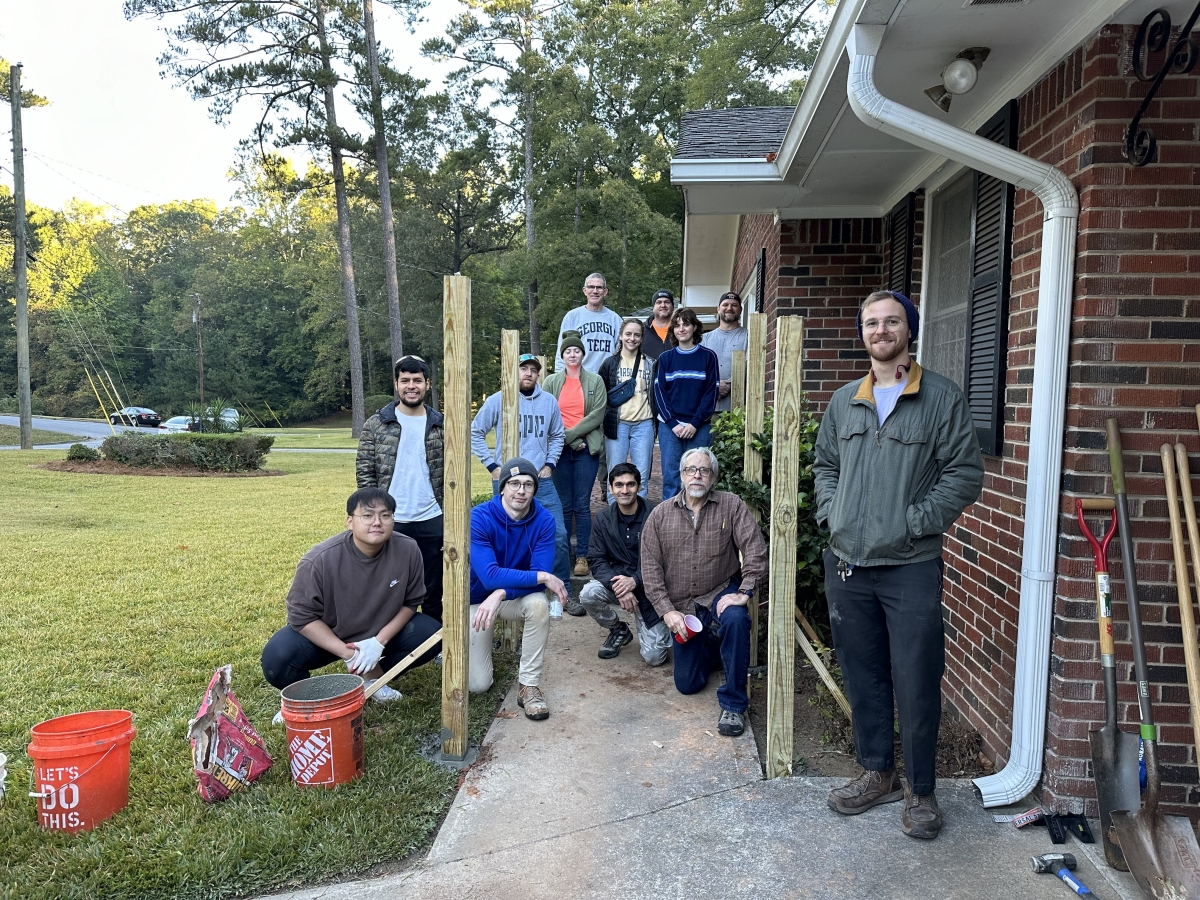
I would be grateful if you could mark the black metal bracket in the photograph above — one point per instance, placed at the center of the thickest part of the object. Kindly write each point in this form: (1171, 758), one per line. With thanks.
(1153, 35)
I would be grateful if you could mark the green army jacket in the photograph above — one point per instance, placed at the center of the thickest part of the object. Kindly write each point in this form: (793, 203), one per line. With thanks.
(887, 493)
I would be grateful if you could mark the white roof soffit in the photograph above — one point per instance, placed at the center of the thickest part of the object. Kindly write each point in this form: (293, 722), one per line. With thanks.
(830, 164)
(710, 243)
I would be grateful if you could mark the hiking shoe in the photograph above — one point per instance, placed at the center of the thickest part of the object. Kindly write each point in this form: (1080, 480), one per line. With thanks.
(574, 608)
(530, 699)
(730, 724)
(581, 568)
(921, 817)
(867, 790)
(278, 720)
(385, 694)
(618, 636)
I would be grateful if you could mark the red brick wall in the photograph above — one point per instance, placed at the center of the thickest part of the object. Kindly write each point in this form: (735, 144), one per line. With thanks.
(1136, 321)
(826, 267)
(754, 234)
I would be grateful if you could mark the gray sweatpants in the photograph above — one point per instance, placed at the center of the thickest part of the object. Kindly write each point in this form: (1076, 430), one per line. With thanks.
(601, 604)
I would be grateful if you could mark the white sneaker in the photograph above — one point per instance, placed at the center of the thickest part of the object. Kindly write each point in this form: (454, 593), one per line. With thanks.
(385, 694)
(278, 720)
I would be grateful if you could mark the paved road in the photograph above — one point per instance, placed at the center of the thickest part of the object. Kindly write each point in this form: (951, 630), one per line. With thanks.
(94, 431)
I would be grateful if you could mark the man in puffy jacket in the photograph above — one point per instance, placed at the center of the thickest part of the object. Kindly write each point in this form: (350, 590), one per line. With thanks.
(411, 431)
(512, 554)
(897, 461)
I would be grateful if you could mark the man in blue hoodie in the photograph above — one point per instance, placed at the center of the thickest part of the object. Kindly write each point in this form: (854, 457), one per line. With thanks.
(542, 437)
(512, 551)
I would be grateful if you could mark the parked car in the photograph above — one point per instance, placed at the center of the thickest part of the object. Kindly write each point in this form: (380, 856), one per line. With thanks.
(138, 416)
(229, 420)
(177, 424)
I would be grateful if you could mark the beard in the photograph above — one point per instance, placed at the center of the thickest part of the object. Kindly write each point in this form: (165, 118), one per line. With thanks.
(887, 353)
(696, 491)
(410, 404)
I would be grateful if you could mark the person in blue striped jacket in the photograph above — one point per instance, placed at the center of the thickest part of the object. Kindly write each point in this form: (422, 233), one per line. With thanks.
(686, 380)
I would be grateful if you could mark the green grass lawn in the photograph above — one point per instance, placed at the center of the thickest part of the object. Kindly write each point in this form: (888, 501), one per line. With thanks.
(126, 592)
(11, 435)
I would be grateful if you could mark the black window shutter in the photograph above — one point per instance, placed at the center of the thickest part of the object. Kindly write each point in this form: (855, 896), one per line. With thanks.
(901, 222)
(987, 306)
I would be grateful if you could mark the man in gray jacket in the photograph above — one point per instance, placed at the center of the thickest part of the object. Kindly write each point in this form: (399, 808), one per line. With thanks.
(542, 437)
(897, 461)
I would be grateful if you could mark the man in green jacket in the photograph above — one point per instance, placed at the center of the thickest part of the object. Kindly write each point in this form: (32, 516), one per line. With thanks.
(897, 461)
(402, 449)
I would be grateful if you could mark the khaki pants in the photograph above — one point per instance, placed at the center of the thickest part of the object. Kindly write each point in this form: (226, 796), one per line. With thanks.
(534, 609)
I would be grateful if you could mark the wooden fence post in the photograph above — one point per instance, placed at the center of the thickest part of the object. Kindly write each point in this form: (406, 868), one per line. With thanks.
(756, 377)
(456, 556)
(785, 472)
(737, 381)
(510, 433)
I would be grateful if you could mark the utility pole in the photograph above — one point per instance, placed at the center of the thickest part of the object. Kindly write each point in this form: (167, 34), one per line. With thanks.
(24, 403)
(199, 344)
(395, 331)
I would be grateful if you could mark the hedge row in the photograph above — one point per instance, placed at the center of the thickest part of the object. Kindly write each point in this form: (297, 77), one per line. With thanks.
(207, 452)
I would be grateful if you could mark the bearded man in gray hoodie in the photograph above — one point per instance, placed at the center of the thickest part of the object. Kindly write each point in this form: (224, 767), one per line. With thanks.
(542, 436)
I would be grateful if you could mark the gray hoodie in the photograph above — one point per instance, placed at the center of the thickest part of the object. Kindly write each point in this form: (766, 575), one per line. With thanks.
(540, 424)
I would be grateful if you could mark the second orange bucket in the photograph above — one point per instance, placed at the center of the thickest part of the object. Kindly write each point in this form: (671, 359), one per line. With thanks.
(324, 729)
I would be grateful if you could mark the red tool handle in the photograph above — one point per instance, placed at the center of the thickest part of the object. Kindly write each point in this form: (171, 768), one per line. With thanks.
(1099, 548)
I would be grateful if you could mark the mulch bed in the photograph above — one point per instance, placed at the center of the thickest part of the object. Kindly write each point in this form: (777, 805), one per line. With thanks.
(109, 467)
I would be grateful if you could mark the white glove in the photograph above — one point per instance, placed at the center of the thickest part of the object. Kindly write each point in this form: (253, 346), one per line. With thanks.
(367, 654)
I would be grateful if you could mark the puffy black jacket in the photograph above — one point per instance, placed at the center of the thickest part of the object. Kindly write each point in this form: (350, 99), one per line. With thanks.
(380, 439)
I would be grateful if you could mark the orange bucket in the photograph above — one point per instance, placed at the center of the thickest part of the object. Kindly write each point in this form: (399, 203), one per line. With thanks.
(81, 768)
(324, 729)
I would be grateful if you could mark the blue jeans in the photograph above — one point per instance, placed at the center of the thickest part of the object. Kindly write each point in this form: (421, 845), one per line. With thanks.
(727, 643)
(635, 441)
(547, 495)
(573, 477)
(672, 450)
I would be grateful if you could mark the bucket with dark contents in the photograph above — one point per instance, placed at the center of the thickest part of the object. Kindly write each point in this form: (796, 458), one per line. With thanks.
(324, 729)
(81, 768)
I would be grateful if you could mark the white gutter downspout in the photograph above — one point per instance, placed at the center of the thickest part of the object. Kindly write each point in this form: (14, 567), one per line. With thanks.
(1055, 291)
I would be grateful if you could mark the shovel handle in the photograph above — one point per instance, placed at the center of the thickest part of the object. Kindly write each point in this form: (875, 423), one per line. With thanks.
(402, 665)
(1116, 461)
(1187, 619)
(1098, 503)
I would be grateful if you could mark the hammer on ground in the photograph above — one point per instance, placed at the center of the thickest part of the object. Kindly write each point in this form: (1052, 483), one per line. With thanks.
(1062, 865)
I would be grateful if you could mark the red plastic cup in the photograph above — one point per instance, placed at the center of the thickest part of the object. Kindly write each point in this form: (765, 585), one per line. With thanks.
(693, 626)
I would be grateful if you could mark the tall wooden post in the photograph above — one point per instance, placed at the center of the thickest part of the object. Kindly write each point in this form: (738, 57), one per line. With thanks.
(785, 472)
(456, 559)
(510, 435)
(24, 397)
(737, 381)
(756, 378)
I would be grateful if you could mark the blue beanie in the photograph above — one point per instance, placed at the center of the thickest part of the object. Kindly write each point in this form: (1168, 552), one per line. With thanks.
(910, 312)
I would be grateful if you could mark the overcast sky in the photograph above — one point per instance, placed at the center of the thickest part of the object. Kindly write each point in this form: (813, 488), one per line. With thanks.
(117, 133)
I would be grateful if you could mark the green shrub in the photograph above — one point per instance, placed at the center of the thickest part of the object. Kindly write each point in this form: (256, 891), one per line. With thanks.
(207, 452)
(728, 439)
(375, 402)
(82, 453)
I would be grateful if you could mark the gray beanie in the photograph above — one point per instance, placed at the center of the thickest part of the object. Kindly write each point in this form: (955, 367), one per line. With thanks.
(518, 466)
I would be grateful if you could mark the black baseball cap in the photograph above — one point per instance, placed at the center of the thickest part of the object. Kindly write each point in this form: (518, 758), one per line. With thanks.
(663, 293)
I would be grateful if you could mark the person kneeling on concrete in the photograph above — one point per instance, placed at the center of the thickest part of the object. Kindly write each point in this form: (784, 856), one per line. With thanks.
(512, 558)
(354, 597)
(690, 548)
(614, 556)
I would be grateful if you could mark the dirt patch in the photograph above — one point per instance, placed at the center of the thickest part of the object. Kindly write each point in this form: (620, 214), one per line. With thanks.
(109, 467)
(822, 743)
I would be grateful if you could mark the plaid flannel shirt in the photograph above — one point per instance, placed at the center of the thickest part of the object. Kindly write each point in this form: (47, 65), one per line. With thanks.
(701, 556)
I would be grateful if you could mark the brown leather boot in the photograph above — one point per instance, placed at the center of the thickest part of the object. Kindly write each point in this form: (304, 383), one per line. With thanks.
(530, 698)
(867, 790)
(921, 817)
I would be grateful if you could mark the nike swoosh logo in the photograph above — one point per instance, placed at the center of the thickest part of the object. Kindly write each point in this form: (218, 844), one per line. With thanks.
(394, 583)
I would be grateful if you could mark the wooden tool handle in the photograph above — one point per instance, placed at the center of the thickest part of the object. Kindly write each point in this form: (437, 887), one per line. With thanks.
(1187, 620)
(1115, 456)
(1102, 503)
(402, 665)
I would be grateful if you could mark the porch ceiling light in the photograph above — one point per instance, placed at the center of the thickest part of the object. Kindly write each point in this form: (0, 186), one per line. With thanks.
(958, 77)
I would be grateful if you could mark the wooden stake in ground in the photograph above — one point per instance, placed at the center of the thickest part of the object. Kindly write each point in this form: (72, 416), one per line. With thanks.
(756, 376)
(737, 380)
(510, 434)
(785, 473)
(456, 509)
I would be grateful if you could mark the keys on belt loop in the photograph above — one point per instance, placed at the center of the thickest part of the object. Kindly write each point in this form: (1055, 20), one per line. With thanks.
(845, 570)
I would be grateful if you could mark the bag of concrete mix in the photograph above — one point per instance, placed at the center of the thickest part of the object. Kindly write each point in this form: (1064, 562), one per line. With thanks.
(227, 753)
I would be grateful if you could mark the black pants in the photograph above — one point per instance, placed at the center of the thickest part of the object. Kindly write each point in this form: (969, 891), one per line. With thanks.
(428, 535)
(290, 657)
(887, 630)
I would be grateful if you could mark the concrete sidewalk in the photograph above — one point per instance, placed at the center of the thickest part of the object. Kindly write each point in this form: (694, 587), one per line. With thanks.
(627, 791)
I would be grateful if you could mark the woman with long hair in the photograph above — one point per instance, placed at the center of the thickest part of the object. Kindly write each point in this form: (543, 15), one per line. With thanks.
(628, 377)
(686, 379)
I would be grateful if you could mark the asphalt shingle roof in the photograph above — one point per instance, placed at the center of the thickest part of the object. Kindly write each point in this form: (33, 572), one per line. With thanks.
(733, 133)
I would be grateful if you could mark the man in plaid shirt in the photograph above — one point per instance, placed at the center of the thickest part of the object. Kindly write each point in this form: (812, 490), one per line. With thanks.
(697, 536)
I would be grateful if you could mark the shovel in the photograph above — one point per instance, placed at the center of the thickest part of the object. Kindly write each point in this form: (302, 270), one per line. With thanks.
(1114, 752)
(1161, 851)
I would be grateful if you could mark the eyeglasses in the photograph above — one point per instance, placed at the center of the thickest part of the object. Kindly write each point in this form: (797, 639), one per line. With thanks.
(368, 518)
(705, 471)
(595, 287)
(889, 324)
(522, 486)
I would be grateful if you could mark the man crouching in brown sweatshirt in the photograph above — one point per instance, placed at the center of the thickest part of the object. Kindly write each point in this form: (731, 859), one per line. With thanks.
(355, 598)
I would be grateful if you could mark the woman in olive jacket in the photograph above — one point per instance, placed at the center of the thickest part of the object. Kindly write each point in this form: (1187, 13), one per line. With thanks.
(582, 400)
